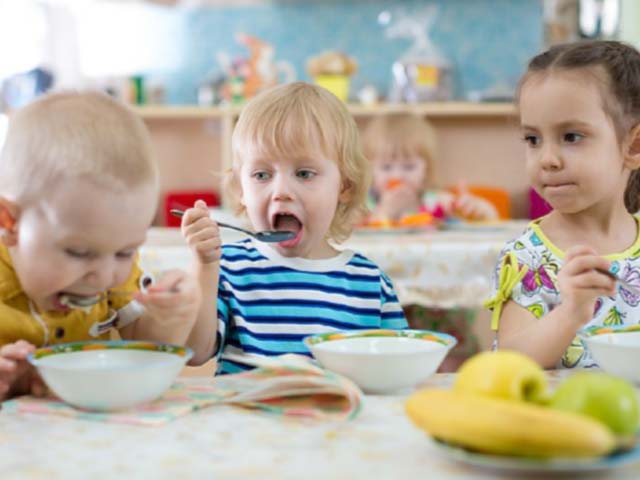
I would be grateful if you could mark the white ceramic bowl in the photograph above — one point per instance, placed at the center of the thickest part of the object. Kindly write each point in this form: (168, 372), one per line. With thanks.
(110, 375)
(616, 350)
(382, 361)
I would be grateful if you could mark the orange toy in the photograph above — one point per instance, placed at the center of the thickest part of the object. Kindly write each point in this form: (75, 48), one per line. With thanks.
(423, 219)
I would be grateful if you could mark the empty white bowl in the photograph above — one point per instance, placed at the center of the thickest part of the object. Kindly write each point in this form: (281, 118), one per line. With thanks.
(382, 361)
(110, 375)
(615, 349)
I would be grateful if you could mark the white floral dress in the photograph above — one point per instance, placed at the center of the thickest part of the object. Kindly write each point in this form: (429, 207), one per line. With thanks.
(527, 274)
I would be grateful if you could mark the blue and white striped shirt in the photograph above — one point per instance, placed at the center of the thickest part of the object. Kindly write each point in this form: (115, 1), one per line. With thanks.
(268, 303)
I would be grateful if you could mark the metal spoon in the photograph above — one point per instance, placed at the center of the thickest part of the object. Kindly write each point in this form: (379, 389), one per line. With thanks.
(627, 286)
(269, 236)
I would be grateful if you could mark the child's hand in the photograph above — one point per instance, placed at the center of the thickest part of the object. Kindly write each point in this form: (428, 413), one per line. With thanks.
(580, 284)
(14, 368)
(471, 207)
(201, 233)
(399, 201)
(173, 304)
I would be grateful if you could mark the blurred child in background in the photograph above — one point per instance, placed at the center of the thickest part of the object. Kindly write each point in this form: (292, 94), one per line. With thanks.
(402, 149)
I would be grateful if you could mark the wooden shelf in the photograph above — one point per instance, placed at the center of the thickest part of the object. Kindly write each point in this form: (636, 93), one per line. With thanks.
(435, 109)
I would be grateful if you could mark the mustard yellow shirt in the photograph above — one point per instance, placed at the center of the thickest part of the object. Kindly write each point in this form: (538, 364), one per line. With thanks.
(20, 319)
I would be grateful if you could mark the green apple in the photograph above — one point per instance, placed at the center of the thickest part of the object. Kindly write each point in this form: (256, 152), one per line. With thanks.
(608, 399)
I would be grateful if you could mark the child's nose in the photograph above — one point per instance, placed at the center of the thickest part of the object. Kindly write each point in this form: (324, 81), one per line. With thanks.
(282, 188)
(101, 275)
(550, 158)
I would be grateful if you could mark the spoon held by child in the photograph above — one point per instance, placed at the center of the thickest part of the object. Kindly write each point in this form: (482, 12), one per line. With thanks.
(268, 236)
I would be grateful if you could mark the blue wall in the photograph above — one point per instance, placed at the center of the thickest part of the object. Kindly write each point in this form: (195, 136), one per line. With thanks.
(487, 41)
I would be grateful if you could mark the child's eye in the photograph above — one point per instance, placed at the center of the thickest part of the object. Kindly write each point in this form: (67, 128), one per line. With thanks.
(261, 176)
(77, 253)
(305, 174)
(532, 140)
(573, 137)
(126, 254)
(408, 167)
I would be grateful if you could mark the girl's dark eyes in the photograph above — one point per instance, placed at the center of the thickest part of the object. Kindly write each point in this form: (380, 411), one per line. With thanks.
(305, 174)
(532, 140)
(573, 137)
(126, 254)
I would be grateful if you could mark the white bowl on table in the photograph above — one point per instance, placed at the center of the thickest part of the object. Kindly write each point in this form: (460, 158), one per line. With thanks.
(615, 349)
(109, 375)
(382, 361)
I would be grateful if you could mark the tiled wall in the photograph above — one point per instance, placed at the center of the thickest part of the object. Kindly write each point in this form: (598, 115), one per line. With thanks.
(487, 41)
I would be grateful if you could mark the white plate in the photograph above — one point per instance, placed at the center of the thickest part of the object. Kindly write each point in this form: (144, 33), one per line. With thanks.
(530, 465)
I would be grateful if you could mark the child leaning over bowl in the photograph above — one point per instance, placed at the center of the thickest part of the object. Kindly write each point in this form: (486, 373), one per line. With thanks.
(297, 166)
(402, 149)
(580, 122)
(78, 190)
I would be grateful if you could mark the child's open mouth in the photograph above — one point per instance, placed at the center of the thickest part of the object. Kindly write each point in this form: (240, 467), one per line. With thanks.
(290, 223)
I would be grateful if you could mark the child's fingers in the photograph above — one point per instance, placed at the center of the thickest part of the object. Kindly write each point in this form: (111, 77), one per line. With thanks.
(192, 215)
(584, 263)
(577, 251)
(17, 351)
(204, 223)
(201, 205)
(7, 365)
(169, 281)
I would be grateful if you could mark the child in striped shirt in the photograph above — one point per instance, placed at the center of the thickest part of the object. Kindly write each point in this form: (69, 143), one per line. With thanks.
(297, 166)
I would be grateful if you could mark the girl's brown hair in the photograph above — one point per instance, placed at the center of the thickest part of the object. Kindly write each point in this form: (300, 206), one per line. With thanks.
(617, 66)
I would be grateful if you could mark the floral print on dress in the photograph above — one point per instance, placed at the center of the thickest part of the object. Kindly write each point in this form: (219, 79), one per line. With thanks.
(538, 291)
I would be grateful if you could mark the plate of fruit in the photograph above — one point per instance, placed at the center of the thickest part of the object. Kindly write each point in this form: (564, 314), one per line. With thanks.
(501, 415)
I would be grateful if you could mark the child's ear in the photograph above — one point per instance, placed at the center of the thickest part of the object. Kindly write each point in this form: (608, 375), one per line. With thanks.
(8, 222)
(346, 192)
(632, 148)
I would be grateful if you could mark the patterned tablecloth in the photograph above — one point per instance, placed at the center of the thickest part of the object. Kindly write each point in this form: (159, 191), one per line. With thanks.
(442, 269)
(234, 443)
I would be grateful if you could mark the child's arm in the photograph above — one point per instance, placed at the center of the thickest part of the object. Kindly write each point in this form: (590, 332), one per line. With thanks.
(203, 237)
(547, 338)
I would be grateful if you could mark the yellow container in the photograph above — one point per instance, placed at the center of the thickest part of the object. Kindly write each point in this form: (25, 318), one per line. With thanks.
(336, 84)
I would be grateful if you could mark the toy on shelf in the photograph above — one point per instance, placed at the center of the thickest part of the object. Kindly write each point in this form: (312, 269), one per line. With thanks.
(333, 71)
(244, 77)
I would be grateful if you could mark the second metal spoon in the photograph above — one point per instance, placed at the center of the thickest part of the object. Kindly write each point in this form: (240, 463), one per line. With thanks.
(269, 236)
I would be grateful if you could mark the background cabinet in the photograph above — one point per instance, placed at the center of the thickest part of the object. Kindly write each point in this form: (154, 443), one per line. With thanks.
(478, 142)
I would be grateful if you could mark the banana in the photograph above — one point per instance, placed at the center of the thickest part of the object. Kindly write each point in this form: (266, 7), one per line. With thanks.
(507, 427)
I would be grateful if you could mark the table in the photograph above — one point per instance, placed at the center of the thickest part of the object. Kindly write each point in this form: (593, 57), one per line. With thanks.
(233, 443)
(443, 269)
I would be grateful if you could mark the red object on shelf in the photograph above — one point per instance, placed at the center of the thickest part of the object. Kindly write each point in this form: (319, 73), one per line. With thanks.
(185, 199)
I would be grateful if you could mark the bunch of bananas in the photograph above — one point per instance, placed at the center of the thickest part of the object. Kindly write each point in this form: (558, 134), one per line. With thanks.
(499, 404)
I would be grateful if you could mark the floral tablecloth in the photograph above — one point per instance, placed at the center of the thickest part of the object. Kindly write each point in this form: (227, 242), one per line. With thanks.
(443, 269)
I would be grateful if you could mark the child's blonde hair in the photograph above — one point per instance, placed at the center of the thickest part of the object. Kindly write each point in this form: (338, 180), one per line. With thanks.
(402, 135)
(74, 135)
(293, 120)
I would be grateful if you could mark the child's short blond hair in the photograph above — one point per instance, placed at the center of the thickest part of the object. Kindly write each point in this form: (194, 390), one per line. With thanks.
(71, 135)
(292, 120)
(402, 135)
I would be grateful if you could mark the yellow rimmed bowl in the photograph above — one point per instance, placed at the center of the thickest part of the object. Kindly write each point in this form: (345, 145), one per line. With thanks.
(109, 375)
(615, 349)
(382, 361)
